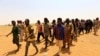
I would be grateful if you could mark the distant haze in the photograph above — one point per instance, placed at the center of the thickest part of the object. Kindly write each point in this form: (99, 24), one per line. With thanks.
(52, 9)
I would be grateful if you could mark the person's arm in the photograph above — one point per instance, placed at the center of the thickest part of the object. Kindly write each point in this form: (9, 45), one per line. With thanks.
(28, 37)
(9, 34)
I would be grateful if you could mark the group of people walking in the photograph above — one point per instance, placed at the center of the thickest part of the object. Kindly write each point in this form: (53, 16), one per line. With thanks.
(59, 32)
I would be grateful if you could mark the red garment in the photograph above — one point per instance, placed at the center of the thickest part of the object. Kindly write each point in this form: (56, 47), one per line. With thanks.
(67, 32)
(39, 28)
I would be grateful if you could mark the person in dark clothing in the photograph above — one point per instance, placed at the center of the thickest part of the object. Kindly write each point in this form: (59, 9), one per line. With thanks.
(15, 33)
(91, 24)
(82, 26)
(87, 26)
(59, 35)
(52, 28)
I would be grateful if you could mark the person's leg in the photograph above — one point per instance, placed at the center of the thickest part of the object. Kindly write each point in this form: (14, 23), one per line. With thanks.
(91, 29)
(86, 30)
(83, 30)
(26, 48)
(75, 35)
(60, 42)
(34, 44)
(42, 35)
(21, 36)
(95, 31)
(64, 44)
(46, 41)
(79, 30)
(68, 45)
(72, 37)
(52, 38)
(50, 33)
(58, 53)
(38, 37)
(69, 41)
(49, 41)
(16, 41)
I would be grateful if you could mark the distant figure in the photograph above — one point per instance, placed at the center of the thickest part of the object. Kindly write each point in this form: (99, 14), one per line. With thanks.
(29, 34)
(59, 35)
(21, 30)
(15, 33)
(68, 31)
(87, 26)
(39, 29)
(91, 25)
(82, 26)
(46, 31)
(96, 26)
(52, 31)
(77, 26)
(74, 37)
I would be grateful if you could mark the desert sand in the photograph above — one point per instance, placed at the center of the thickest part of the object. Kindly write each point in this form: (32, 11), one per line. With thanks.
(87, 45)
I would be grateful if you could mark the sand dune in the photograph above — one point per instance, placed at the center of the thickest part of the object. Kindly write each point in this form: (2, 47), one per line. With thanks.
(87, 45)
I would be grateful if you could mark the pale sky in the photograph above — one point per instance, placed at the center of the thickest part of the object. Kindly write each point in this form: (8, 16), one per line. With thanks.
(52, 9)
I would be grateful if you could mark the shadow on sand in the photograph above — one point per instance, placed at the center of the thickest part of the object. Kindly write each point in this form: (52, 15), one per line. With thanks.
(65, 50)
(11, 52)
(43, 50)
(96, 35)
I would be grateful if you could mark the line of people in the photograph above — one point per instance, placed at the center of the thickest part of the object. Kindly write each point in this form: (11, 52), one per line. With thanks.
(62, 32)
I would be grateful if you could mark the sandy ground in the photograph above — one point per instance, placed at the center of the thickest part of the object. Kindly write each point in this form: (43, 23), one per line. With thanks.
(87, 45)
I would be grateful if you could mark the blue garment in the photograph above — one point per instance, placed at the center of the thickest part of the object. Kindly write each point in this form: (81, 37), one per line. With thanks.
(59, 32)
